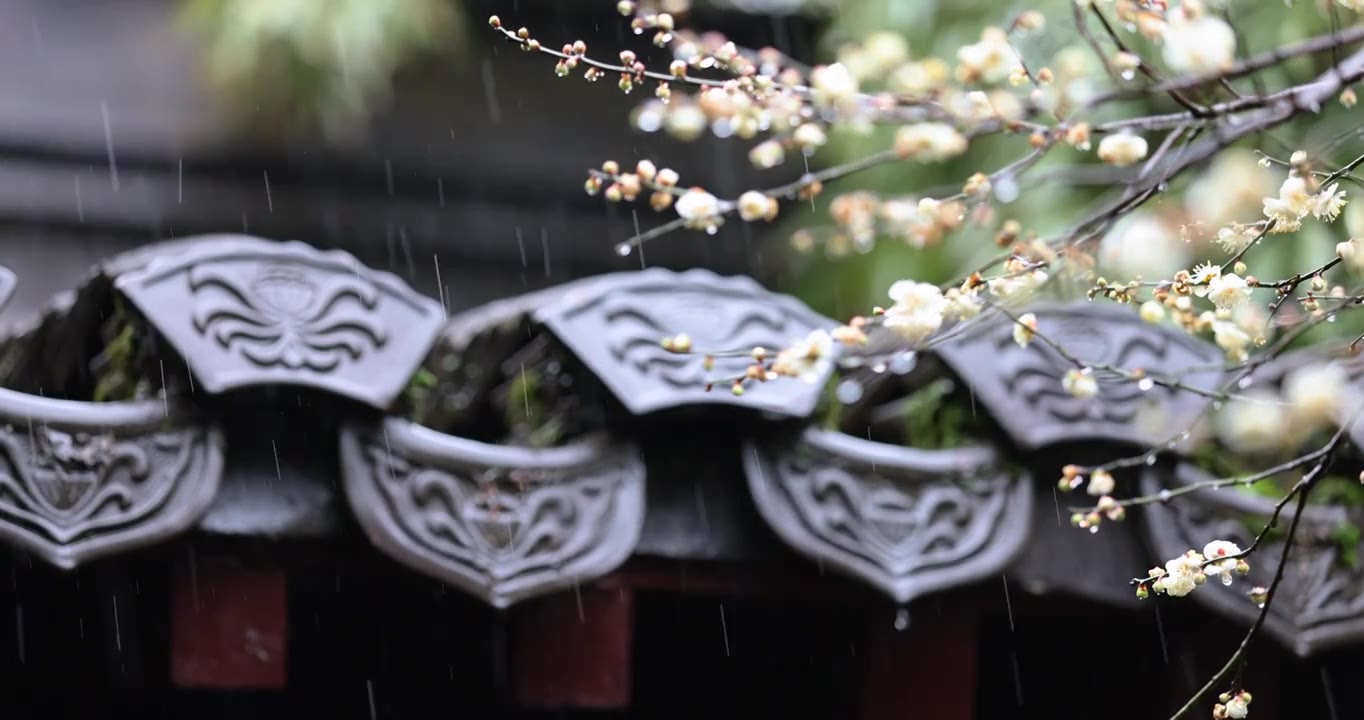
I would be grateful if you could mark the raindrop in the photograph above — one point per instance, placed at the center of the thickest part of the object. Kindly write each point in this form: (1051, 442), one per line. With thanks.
(1164, 496)
(1093, 529)
(1244, 383)
(903, 363)
(1330, 318)
(848, 392)
(1128, 74)
(878, 368)
(901, 619)
(624, 249)
(1260, 605)
(649, 120)
(1006, 190)
(1146, 384)
(1216, 404)
(711, 230)
(109, 146)
(1150, 460)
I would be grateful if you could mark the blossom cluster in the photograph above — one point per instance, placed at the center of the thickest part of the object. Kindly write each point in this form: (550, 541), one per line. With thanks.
(1181, 575)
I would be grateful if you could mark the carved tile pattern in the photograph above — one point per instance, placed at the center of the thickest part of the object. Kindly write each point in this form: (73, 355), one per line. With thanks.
(503, 530)
(284, 317)
(908, 522)
(1022, 386)
(245, 311)
(1320, 603)
(616, 324)
(72, 496)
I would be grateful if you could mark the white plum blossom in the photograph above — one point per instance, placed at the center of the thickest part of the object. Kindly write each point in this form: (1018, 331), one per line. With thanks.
(961, 305)
(1235, 237)
(1228, 291)
(699, 209)
(1100, 483)
(1122, 149)
(1202, 44)
(767, 154)
(833, 85)
(1152, 312)
(1231, 338)
(1144, 244)
(1238, 707)
(1253, 423)
(989, 61)
(1080, 383)
(1328, 203)
(1180, 575)
(1007, 288)
(809, 359)
(809, 137)
(887, 49)
(1024, 329)
(918, 310)
(929, 142)
(1221, 560)
(1290, 207)
(1319, 395)
(754, 205)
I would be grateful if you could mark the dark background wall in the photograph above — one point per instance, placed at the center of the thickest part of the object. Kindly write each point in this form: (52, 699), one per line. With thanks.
(110, 137)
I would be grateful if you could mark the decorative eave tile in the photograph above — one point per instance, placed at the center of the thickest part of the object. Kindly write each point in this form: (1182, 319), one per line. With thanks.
(247, 312)
(616, 323)
(1021, 387)
(501, 523)
(85, 480)
(1318, 606)
(908, 522)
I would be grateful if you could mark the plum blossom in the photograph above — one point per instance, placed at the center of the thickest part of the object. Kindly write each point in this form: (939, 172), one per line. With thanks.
(1251, 422)
(1180, 576)
(1100, 483)
(1221, 559)
(1290, 207)
(1024, 329)
(1228, 291)
(1080, 383)
(1319, 395)
(1328, 203)
(699, 209)
(808, 359)
(1231, 338)
(1235, 237)
(1122, 149)
(929, 142)
(1201, 44)
(918, 310)
(833, 85)
(989, 61)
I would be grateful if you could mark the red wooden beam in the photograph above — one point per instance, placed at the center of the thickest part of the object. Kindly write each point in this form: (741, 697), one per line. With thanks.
(573, 649)
(230, 626)
(926, 671)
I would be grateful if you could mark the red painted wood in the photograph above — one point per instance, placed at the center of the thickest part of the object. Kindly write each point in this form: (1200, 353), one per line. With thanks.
(925, 672)
(573, 649)
(230, 626)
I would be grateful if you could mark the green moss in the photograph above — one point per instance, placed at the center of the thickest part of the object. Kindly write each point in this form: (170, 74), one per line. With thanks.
(527, 414)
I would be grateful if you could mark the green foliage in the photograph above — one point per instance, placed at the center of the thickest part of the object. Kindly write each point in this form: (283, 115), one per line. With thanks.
(417, 394)
(306, 64)
(933, 421)
(527, 414)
